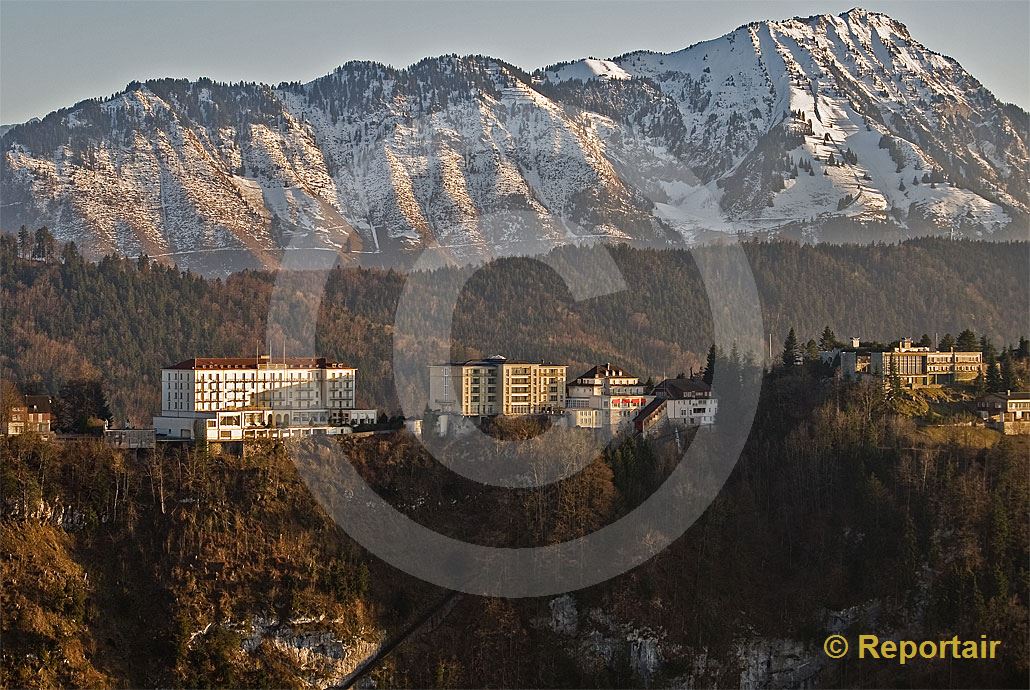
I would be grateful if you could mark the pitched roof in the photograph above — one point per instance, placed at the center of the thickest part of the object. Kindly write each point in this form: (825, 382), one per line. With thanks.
(602, 371)
(649, 409)
(677, 388)
(38, 403)
(1011, 395)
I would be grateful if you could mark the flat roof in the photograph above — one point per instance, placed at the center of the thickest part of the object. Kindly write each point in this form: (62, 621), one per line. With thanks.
(220, 363)
(497, 361)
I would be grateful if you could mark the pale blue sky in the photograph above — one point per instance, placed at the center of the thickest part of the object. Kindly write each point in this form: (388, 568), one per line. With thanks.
(53, 53)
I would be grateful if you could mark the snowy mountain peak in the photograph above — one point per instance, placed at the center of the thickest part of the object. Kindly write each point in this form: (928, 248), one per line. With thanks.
(582, 70)
(831, 126)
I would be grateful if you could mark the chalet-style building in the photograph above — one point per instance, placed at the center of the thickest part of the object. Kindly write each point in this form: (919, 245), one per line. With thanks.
(33, 415)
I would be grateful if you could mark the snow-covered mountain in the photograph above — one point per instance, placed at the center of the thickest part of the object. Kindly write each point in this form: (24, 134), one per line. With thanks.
(827, 127)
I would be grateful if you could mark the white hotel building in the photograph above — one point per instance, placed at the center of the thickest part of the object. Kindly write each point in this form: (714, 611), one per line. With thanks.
(605, 397)
(224, 399)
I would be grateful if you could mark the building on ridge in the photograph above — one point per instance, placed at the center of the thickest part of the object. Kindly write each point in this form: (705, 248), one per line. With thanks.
(33, 414)
(497, 386)
(1008, 412)
(917, 367)
(680, 402)
(222, 399)
(605, 397)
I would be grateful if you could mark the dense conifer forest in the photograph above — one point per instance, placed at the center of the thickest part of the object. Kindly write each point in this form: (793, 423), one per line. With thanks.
(120, 320)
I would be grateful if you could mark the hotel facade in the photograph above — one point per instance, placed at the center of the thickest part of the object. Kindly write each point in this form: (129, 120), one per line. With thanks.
(223, 399)
(605, 397)
(917, 366)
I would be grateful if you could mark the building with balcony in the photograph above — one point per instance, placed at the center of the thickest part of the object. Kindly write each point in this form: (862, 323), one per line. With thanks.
(605, 397)
(224, 399)
(688, 401)
(497, 386)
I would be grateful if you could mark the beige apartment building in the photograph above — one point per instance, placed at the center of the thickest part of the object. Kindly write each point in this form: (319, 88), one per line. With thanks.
(497, 386)
(921, 366)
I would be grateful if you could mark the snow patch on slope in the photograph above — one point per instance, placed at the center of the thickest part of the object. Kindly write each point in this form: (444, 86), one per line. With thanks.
(583, 70)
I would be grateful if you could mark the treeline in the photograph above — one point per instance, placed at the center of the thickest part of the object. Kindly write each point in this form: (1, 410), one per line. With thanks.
(120, 320)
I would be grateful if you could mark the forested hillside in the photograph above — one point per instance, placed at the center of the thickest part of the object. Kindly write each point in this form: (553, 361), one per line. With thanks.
(121, 320)
(191, 570)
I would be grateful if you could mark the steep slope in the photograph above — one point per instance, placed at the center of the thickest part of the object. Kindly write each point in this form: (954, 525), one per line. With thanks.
(172, 169)
(464, 154)
(454, 153)
(801, 126)
(913, 137)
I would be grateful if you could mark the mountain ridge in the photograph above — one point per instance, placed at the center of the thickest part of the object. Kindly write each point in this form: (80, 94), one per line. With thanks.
(826, 127)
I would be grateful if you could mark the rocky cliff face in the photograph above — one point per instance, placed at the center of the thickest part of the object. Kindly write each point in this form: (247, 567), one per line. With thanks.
(777, 124)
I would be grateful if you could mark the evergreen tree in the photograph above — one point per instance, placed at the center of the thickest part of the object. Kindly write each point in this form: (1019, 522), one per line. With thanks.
(924, 341)
(1007, 374)
(709, 374)
(980, 383)
(966, 341)
(1024, 348)
(43, 247)
(896, 388)
(993, 375)
(990, 357)
(790, 349)
(24, 242)
(828, 340)
(812, 350)
(70, 254)
(947, 342)
(81, 406)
